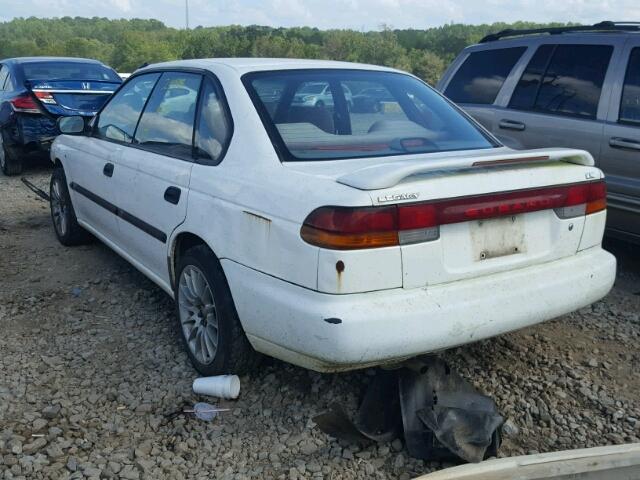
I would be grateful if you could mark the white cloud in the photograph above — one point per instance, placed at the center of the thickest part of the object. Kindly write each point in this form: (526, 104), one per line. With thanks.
(122, 5)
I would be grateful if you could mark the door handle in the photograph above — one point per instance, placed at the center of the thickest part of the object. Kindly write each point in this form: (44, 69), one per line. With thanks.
(626, 143)
(172, 195)
(511, 125)
(108, 169)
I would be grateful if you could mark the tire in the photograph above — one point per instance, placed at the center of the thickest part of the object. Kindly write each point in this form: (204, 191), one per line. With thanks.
(63, 216)
(203, 301)
(319, 104)
(10, 163)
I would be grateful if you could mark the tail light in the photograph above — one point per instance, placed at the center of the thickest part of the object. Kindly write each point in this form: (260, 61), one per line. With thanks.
(25, 103)
(347, 228)
(45, 97)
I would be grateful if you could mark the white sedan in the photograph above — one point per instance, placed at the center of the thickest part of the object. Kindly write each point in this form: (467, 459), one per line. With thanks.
(327, 238)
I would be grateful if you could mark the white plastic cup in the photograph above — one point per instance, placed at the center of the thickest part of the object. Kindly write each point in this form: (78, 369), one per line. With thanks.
(221, 386)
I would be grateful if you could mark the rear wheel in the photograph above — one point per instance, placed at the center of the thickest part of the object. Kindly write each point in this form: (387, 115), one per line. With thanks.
(10, 163)
(208, 321)
(65, 223)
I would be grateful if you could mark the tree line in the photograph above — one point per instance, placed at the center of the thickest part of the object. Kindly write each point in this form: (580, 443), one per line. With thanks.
(127, 44)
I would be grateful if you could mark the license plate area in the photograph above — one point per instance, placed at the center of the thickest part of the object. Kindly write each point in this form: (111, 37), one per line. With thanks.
(498, 237)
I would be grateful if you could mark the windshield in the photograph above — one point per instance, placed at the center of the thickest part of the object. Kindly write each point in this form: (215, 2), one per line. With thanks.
(361, 114)
(69, 71)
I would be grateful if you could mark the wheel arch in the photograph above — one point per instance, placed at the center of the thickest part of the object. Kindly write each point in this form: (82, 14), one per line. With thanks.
(182, 242)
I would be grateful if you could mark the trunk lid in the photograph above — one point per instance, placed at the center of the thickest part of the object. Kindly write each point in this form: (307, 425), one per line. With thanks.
(473, 248)
(72, 97)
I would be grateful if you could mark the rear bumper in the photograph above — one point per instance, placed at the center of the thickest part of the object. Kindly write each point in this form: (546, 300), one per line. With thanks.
(36, 132)
(342, 332)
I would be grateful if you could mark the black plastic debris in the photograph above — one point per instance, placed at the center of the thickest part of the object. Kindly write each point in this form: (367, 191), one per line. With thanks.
(441, 416)
(378, 417)
(38, 191)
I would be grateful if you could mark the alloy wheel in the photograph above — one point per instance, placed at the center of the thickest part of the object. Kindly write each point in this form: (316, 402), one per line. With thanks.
(59, 208)
(198, 314)
(3, 155)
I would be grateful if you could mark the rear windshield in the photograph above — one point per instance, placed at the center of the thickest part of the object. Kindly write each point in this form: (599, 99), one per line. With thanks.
(52, 71)
(361, 114)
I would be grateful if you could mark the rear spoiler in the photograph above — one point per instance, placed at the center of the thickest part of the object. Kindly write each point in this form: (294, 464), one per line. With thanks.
(389, 174)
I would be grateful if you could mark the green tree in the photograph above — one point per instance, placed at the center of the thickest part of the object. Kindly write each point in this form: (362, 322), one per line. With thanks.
(135, 49)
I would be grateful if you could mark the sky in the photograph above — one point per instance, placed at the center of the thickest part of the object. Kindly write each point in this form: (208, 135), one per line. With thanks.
(325, 14)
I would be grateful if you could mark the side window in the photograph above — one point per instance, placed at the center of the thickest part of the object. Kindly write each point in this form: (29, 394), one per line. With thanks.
(166, 126)
(8, 84)
(525, 93)
(119, 118)
(630, 103)
(480, 77)
(4, 74)
(214, 129)
(569, 84)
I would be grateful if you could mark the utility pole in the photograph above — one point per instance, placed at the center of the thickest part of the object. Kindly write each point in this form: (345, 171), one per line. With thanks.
(186, 11)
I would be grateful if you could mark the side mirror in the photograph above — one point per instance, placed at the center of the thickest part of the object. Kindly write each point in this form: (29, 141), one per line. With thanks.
(71, 125)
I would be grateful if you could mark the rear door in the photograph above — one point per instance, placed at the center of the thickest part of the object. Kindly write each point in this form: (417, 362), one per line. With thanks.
(478, 79)
(559, 100)
(157, 170)
(620, 156)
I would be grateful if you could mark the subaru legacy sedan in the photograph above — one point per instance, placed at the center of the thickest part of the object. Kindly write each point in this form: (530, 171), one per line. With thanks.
(321, 236)
(35, 91)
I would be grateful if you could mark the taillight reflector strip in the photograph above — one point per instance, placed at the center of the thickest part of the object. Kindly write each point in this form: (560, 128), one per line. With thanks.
(45, 97)
(345, 228)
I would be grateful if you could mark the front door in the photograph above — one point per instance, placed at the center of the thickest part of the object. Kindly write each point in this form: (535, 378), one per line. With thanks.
(93, 168)
(620, 156)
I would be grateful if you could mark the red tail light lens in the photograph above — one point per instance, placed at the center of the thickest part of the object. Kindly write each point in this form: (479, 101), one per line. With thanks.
(25, 103)
(345, 228)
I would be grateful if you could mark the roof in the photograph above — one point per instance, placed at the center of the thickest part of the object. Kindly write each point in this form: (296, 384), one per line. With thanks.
(50, 59)
(620, 28)
(244, 65)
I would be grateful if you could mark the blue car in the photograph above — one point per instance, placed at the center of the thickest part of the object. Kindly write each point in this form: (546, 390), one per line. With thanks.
(35, 91)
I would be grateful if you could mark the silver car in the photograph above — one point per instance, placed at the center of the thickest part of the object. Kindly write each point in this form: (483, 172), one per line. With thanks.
(319, 94)
(575, 87)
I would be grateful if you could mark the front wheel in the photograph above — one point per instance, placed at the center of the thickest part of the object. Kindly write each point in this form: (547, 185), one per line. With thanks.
(208, 321)
(63, 216)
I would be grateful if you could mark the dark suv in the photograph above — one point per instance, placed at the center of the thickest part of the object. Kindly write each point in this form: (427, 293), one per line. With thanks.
(573, 87)
(35, 91)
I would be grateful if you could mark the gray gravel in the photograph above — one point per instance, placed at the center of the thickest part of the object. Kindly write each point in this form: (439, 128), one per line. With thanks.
(91, 371)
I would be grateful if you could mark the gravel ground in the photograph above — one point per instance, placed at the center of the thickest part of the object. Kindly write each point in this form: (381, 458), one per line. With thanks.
(91, 372)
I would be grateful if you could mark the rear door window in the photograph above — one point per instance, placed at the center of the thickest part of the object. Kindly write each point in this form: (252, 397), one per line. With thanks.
(630, 103)
(119, 118)
(166, 126)
(480, 77)
(564, 80)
